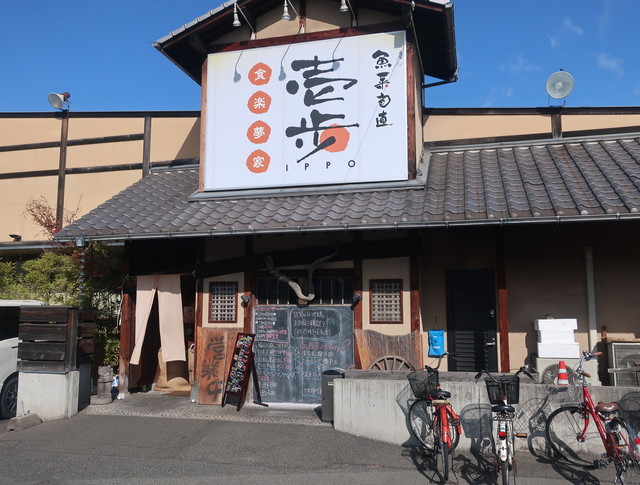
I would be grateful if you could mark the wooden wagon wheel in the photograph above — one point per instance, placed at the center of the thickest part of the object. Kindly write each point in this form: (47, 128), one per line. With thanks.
(391, 362)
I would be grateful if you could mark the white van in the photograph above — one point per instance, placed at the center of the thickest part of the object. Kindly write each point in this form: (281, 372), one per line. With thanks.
(9, 323)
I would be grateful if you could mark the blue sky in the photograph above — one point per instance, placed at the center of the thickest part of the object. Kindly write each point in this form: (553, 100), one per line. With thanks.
(101, 53)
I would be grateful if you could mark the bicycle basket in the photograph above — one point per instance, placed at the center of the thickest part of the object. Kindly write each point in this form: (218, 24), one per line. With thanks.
(423, 382)
(511, 385)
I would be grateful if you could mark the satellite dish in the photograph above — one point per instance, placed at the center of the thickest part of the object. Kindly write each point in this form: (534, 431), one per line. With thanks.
(58, 101)
(560, 84)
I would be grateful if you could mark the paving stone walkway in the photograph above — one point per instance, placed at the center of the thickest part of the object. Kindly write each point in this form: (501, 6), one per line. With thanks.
(166, 405)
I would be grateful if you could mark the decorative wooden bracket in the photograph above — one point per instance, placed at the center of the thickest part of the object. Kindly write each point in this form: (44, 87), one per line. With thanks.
(302, 298)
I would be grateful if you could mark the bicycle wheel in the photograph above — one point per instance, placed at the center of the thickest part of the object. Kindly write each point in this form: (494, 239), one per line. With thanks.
(443, 450)
(453, 432)
(628, 466)
(504, 470)
(563, 429)
(421, 423)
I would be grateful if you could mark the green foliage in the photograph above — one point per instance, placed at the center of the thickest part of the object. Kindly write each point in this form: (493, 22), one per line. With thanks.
(86, 277)
(10, 281)
(52, 278)
(107, 343)
(69, 276)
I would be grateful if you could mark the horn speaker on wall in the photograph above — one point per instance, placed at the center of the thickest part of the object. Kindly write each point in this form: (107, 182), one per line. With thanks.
(560, 84)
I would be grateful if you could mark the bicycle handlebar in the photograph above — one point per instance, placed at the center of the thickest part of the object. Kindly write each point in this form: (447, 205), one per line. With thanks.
(586, 355)
(440, 357)
(522, 370)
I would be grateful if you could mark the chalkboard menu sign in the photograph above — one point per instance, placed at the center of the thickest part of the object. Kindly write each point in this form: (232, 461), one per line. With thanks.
(294, 345)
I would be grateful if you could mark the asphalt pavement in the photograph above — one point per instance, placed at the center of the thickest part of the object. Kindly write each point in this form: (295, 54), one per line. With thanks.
(151, 438)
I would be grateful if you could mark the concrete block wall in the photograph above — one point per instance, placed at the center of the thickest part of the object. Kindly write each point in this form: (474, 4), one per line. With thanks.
(376, 408)
(50, 396)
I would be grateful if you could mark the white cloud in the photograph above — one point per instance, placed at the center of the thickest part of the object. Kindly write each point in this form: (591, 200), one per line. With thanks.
(553, 41)
(610, 63)
(496, 95)
(606, 16)
(569, 26)
(519, 65)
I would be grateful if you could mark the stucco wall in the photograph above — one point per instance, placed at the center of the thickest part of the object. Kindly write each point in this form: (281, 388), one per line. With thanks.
(385, 269)
(454, 127)
(545, 274)
(171, 138)
(473, 123)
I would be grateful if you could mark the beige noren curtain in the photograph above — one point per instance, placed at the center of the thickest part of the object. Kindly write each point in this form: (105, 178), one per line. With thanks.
(170, 315)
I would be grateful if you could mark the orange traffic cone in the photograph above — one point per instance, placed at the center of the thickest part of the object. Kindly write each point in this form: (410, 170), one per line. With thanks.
(563, 378)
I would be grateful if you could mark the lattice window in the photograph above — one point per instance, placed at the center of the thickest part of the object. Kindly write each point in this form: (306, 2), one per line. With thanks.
(223, 302)
(386, 301)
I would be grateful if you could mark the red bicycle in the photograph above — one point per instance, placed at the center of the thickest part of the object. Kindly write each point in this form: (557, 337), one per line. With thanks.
(570, 435)
(432, 420)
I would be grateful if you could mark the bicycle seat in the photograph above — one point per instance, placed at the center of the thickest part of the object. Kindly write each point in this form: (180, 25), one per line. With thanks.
(502, 408)
(607, 407)
(440, 394)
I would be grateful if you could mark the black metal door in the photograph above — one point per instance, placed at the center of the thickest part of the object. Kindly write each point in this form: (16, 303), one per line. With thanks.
(471, 320)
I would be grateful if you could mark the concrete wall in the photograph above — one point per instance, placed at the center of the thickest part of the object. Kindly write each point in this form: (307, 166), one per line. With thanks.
(376, 408)
(50, 396)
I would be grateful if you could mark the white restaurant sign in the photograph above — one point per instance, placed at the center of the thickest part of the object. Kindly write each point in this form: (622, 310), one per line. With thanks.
(325, 112)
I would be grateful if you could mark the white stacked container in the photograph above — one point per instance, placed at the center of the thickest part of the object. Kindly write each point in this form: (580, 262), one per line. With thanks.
(555, 338)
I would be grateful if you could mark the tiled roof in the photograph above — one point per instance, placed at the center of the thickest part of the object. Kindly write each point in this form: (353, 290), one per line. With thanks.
(596, 178)
(580, 177)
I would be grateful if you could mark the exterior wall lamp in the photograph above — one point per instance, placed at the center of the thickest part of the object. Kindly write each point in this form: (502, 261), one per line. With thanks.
(287, 17)
(237, 23)
(345, 6)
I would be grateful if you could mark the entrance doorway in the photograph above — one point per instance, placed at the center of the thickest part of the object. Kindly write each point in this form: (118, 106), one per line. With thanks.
(471, 320)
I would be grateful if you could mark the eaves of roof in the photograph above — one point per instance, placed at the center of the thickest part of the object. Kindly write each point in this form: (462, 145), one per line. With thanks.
(432, 23)
(591, 179)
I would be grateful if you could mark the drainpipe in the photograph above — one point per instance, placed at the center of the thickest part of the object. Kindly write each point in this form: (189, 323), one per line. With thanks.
(591, 298)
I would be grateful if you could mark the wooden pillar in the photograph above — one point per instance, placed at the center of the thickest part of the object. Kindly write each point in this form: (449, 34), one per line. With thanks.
(62, 169)
(146, 147)
(198, 323)
(556, 124)
(71, 350)
(503, 304)
(411, 112)
(414, 293)
(248, 286)
(203, 120)
(126, 331)
(357, 309)
(248, 307)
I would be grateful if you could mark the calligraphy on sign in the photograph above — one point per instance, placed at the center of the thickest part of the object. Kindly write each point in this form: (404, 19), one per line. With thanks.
(241, 361)
(322, 112)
